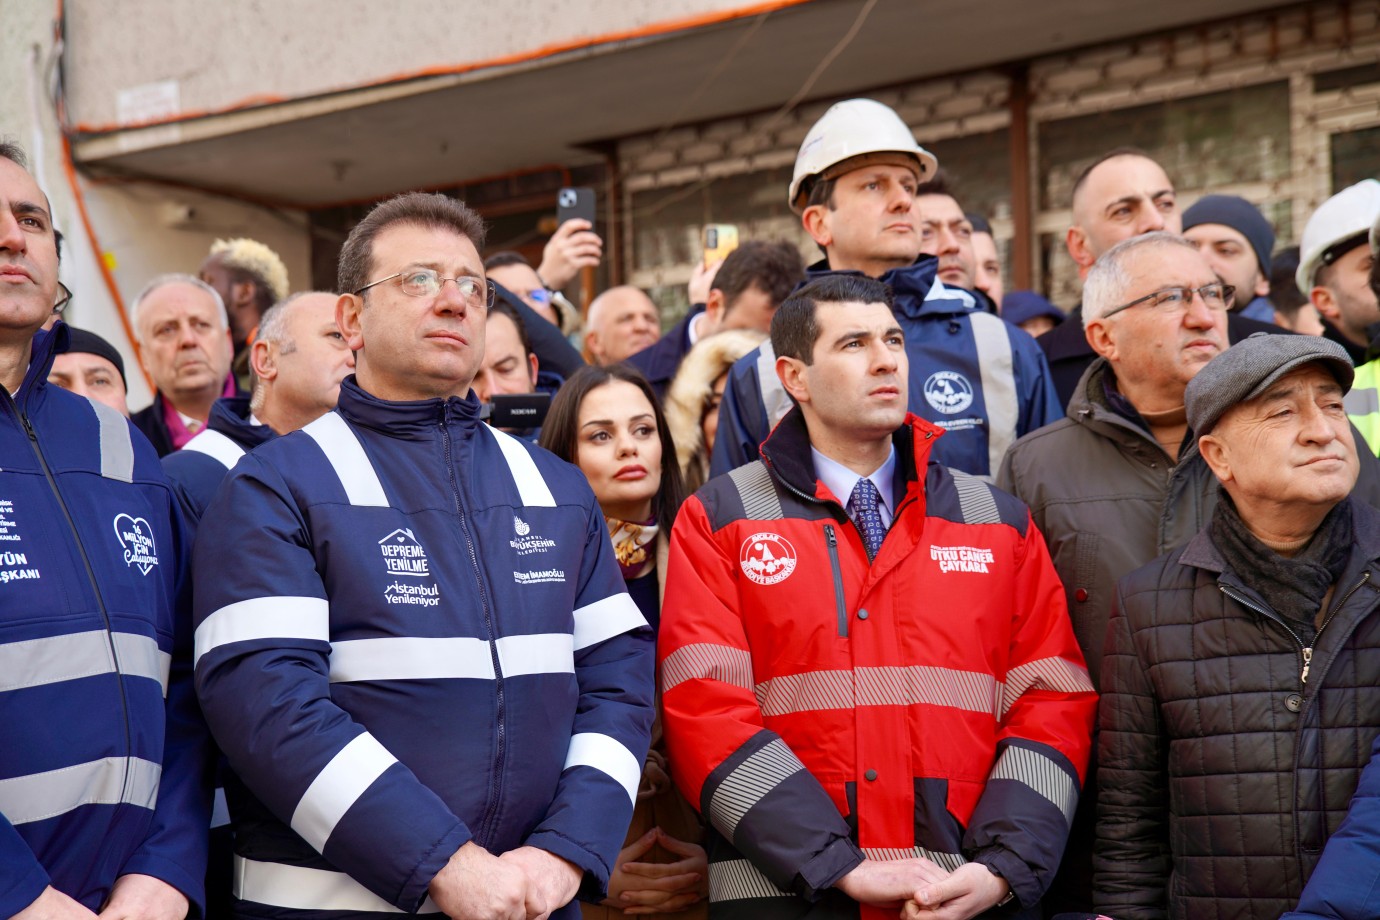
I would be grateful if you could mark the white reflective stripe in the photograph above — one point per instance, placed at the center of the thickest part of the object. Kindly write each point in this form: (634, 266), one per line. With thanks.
(612, 616)
(265, 618)
(140, 656)
(338, 786)
(775, 400)
(300, 888)
(947, 861)
(532, 489)
(35, 662)
(117, 449)
(749, 782)
(1057, 674)
(539, 653)
(111, 781)
(347, 457)
(991, 337)
(608, 756)
(707, 661)
(216, 446)
(411, 659)
(1041, 774)
(738, 879)
(811, 691)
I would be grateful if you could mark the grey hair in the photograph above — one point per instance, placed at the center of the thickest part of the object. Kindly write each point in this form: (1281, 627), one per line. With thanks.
(273, 326)
(11, 151)
(1108, 279)
(175, 278)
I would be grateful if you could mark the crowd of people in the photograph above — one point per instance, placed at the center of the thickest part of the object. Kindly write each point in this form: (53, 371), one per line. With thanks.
(868, 589)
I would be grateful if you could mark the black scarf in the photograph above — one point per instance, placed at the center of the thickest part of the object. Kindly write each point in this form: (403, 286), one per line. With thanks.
(1293, 587)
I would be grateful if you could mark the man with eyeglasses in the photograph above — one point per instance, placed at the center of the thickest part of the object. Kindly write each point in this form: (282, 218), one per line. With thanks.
(1119, 481)
(424, 666)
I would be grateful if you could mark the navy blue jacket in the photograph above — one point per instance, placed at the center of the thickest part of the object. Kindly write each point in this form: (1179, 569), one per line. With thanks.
(425, 640)
(198, 469)
(100, 775)
(659, 361)
(980, 378)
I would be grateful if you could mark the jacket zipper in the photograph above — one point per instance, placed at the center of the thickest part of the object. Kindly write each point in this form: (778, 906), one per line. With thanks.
(496, 778)
(91, 578)
(1305, 651)
(831, 538)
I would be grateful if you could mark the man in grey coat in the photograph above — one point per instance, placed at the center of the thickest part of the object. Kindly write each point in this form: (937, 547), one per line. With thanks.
(1119, 481)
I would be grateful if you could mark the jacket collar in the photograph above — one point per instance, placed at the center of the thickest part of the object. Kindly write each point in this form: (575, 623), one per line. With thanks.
(1089, 407)
(230, 417)
(917, 289)
(45, 347)
(786, 452)
(416, 420)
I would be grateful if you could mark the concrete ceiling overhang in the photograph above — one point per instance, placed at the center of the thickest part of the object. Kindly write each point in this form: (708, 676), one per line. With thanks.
(440, 131)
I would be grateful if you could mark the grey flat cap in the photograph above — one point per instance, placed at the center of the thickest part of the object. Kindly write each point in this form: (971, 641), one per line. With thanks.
(1249, 367)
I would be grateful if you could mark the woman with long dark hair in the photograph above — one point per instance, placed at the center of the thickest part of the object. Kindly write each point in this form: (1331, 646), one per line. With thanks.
(608, 422)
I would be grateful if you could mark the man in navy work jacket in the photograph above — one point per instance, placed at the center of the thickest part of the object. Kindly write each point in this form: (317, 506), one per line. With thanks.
(982, 380)
(102, 804)
(423, 665)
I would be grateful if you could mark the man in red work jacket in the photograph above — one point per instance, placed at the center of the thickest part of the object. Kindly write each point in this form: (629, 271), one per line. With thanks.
(871, 687)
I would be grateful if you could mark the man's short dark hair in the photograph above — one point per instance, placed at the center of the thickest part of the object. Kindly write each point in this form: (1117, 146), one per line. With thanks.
(504, 258)
(504, 308)
(422, 209)
(1284, 290)
(795, 326)
(938, 184)
(774, 268)
(980, 224)
(1112, 154)
(11, 151)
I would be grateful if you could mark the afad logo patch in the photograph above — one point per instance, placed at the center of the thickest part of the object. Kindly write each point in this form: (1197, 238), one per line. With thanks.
(767, 558)
(136, 542)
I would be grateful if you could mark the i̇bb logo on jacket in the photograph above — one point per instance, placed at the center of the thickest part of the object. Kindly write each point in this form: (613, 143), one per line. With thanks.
(767, 558)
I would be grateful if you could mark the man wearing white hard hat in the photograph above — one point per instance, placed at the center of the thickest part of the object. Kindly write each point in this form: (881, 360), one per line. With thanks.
(1334, 266)
(981, 379)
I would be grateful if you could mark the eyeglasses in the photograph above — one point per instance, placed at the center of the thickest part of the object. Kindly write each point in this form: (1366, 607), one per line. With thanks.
(423, 282)
(64, 297)
(1216, 296)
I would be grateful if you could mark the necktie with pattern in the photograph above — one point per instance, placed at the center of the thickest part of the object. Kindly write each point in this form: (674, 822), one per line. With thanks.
(867, 516)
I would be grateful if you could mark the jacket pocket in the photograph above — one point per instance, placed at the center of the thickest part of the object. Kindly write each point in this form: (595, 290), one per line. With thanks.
(831, 538)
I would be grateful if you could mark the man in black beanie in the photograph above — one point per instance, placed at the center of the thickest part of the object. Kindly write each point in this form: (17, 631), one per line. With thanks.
(1236, 240)
(91, 367)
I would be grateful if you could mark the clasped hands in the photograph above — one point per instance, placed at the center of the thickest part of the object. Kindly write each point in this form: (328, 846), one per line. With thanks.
(921, 890)
(523, 884)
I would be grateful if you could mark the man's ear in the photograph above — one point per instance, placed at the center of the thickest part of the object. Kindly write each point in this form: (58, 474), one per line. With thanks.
(816, 222)
(532, 360)
(1327, 304)
(1262, 284)
(1076, 241)
(791, 373)
(714, 306)
(242, 292)
(1215, 456)
(1100, 338)
(262, 359)
(348, 319)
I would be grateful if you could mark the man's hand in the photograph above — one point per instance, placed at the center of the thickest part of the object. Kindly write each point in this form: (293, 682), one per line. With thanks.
(476, 885)
(551, 881)
(649, 888)
(888, 884)
(572, 247)
(54, 905)
(702, 281)
(143, 897)
(968, 891)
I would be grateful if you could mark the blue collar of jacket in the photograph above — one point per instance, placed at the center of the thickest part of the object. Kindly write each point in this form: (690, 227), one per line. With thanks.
(917, 288)
(786, 452)
(412, 420)
(46, 346)
(230, 417)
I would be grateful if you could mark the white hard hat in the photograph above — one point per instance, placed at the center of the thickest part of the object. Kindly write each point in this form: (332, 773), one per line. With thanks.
(1347, 215)
(855, 128)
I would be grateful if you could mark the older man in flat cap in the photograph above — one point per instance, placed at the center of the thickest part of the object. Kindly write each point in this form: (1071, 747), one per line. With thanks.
(1241, 680)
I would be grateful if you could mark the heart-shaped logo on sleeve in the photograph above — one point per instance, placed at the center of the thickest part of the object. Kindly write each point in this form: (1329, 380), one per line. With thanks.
(136, 539)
